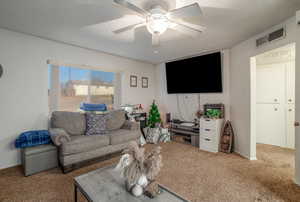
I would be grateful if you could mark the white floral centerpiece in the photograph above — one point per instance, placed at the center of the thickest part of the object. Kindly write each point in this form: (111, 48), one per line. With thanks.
(138, 169)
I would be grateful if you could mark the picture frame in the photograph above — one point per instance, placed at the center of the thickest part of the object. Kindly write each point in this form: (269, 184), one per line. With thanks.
(145, 82)
(133, 81)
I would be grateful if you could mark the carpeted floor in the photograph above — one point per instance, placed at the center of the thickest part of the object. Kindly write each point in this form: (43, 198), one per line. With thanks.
(194, 174)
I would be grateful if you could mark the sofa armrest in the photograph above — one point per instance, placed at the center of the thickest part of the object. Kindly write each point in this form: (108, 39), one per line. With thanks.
(59, 136)
(131, 125)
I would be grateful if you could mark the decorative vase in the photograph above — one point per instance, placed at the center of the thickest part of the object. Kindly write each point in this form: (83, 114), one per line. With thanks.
(143, 181)
(138, 169)
(137, 190)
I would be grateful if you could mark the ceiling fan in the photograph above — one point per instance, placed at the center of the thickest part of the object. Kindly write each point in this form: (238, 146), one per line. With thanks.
(158, 20)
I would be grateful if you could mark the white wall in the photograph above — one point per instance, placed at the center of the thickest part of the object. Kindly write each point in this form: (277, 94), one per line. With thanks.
(23, 87)
(189, 102)
(240, 88)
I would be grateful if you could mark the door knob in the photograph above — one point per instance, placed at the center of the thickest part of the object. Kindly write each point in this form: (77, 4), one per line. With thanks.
(275, 100)
(296, 124)
(290, 100)
(290, 110)
(276, 109)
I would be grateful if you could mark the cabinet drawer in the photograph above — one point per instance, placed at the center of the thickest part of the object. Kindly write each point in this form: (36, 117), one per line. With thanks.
(208, 124)
(208, 144)
(208, 133)
(207, 140)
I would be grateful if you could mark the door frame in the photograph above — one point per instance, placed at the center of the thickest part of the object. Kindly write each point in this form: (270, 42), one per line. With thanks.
(253, 101)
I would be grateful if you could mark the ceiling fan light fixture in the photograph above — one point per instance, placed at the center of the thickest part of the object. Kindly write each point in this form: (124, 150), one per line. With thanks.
(158, 19)
(157, 23)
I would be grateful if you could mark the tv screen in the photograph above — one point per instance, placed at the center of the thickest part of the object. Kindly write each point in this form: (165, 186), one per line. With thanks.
(202, 74)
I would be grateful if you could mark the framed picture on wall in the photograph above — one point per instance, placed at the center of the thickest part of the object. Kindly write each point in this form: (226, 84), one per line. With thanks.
(144, 82)
(133, 81)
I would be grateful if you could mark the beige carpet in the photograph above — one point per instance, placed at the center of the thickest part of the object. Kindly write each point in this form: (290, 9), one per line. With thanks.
(194, 174)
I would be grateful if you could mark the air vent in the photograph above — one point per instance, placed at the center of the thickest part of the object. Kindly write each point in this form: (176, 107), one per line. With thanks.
(276, 35)
(261, 41)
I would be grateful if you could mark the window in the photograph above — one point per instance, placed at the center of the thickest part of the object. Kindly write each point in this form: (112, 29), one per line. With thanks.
(69, 86)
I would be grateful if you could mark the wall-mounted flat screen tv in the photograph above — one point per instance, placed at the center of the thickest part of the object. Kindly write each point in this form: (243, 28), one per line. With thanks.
(202, 74)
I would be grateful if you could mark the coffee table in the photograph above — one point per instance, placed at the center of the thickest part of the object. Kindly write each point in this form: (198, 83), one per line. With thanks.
(105, 184)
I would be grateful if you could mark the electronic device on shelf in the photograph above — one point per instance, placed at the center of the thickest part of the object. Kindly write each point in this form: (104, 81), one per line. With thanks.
(187, 124)
(176, 121)
(189, 131)
(184, 126)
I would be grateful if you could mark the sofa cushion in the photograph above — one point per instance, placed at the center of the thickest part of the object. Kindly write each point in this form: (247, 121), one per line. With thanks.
(122, 135)
(66, 160)
(72, 122)
(82, 143)
(115, 120)
(96, 124)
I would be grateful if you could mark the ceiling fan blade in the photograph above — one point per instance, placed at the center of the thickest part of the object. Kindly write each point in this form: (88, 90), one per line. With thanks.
(131, 7)
(189, 11)
(189, 26)
(185, 31)
(129, 27)
(155, 39)
(188, 29)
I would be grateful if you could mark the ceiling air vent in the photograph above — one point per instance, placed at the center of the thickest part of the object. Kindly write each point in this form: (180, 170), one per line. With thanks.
(278, 34)
(261, 41)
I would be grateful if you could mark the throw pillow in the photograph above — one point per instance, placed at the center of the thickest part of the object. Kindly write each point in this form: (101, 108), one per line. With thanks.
(115, 120)
(95, 124)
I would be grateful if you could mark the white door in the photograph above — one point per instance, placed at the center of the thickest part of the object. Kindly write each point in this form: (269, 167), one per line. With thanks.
(290, 104)
(270, 125)
(275, 104)
(270, 83)
(270, 114)
(290, 128)
(290, 82)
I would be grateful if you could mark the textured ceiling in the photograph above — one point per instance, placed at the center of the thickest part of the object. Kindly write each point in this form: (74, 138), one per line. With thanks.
(90, 24)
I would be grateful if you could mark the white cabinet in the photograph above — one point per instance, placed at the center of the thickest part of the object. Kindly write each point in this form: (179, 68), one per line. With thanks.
(270, 124)
(210, 131)
(275, 110)
(270, 83)
(290, 118)
(290, 105)
(290, 83)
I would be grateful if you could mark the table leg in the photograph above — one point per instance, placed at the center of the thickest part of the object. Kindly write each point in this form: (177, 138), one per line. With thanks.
(75, 193)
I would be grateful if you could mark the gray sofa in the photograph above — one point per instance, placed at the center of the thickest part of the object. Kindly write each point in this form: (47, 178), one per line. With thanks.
(68, 133)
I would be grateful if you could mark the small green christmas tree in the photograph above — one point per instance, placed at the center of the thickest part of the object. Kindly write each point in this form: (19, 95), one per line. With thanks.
(154, 116)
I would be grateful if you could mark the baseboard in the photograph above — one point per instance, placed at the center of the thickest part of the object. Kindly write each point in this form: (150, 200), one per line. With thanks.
(246, 156)
(241, 154)
(297, 183)
(11, 166)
